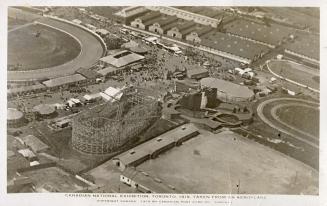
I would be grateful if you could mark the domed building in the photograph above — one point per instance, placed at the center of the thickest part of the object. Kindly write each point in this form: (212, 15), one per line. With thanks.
(228, 91)
(44, 111)
(14, 117)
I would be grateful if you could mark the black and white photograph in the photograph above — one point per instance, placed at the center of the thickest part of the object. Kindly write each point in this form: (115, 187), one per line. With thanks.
(163, 99)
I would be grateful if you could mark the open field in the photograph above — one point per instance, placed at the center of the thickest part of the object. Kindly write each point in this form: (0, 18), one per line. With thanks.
(267, 111)
(302, 117)
(296, 72)
(50, 48)
(216, 163)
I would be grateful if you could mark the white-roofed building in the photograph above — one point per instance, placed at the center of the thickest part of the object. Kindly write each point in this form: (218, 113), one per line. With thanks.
(27, 153)
(112, 94)
(248, 70)
(72, 102)
(92, 97)
(120, 59)
(34, 163)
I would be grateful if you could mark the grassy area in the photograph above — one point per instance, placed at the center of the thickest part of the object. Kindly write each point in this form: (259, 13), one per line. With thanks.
(32, 51)
(303, 118)
(266, 135)
(295, 72)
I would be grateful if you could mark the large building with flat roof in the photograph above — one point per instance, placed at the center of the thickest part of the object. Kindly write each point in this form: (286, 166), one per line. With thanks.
(239, 49)
(64, 81)
(305, 46)
(25, 90)
(272, 34)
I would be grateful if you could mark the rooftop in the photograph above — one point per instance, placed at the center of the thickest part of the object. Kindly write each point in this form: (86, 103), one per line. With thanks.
(25, 88)
(227, 87)
(14, 114)
(88, 73)
(183, 25)
(107, 70)
(200, 30)
(306, 44)
(122, 58)
(191, 72)
(44, 109)
(34, 143)
(155, 144)
(63, 80)
(149, 16)
(233, 45)
(165, 20)
(271, 34)
(154, 184)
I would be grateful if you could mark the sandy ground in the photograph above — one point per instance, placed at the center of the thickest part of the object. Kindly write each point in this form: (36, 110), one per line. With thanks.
(217, 163)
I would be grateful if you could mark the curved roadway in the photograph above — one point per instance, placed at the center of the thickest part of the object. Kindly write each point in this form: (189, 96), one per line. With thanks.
(91, 51)
(271, 123)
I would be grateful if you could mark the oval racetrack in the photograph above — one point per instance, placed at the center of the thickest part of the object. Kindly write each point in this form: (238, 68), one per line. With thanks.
(279, 125)
(91, 51)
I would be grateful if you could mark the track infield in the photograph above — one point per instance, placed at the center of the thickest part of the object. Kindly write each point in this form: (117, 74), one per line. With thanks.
(37, 46)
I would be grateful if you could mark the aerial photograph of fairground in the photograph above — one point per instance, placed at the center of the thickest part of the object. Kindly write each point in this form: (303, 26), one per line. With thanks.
(163, 99)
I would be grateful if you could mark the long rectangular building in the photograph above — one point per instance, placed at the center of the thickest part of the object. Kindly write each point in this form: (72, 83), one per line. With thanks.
(271, 34)
(233, 45)
(63, 81)
(154, 147)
